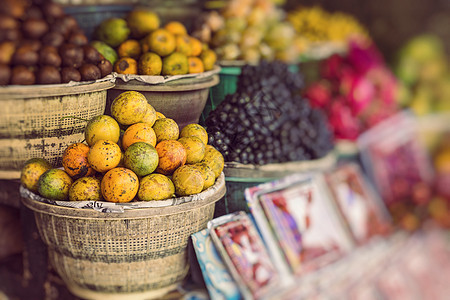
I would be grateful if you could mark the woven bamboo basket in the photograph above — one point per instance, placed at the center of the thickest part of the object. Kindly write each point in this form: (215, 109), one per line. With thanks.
(138, 254)
(31, 123)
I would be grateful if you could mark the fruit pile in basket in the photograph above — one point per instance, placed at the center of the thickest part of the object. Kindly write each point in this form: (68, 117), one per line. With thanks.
(267, 121)
(136, 153)
(316, 26)
(140, 44)
(356, 90)
(423, 70)
(40, 44)
(249, 31)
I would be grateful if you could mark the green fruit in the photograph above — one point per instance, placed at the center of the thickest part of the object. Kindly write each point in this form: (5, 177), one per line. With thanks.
(55, 184)
(175, 64)
(112, 31)
(105, 50)
(142, 158)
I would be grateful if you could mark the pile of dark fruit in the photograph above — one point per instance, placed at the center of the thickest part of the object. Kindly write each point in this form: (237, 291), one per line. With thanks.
(40, 44)
(267, 121)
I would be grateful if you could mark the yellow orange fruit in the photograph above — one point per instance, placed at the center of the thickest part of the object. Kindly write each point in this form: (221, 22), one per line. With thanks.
(208, 58)
(126, 65)
(188, 180)
(150, 63)
(142, 21)
(54, 184)
(150, 115)
(75, 161)
(183, 45)
(159, 115)
(155, 187)
(166, 129)
(171, 154)
(101, 127)
(176, 28)
(208, 175)
(85, 189)
(119, 185)
(175, 64)
(196, 46)
(214, 159)
(196, 130)
(129, 107)
(161, 41)
(31, 171)
(195, 149)
(139, 132)
(195, 65)
(129, 48)
(142, 158)
(104, 155)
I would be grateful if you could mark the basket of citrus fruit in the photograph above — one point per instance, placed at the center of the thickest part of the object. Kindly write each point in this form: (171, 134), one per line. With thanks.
(118, 214)
(162, 60)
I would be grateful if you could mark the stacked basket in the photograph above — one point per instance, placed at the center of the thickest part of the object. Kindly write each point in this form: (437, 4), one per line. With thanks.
(33, 121)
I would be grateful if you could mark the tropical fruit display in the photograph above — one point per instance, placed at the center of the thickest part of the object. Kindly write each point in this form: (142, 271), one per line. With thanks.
(422, 68)
(267, 120)
(315, 26)
(141, 44)
(356, 90)
(130, 155)
(40, 44)
(249, 31)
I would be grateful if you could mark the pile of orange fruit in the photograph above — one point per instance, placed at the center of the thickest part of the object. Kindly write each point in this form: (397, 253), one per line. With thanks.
(152, 48)
(135, 153)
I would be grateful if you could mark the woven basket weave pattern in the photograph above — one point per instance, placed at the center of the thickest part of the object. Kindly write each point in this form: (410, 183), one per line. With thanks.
(41, 117)
(122, 255)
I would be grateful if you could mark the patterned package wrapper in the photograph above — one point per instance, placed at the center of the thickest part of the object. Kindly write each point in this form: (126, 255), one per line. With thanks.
(218, 280)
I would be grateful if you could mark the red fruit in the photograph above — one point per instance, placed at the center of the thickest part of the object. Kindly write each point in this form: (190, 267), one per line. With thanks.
(344, 124)
(319, 94)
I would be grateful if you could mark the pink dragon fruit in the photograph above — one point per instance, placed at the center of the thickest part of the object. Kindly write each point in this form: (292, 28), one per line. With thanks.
(319, 94)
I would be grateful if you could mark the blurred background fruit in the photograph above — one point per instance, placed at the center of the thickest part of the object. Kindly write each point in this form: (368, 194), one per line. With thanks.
(422, 67)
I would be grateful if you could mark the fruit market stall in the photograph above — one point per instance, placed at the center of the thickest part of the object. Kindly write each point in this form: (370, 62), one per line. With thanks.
(242, 149)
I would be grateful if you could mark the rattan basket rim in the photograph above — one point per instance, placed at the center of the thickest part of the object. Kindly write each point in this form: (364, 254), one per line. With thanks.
(207, 197)
(181, 85)
(37, 91)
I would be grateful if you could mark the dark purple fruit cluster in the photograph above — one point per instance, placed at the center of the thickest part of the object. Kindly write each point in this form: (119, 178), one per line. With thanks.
(267, 120)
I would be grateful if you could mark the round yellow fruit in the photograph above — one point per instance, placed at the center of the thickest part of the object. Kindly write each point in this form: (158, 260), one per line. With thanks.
(155, 187)
(104, 155)
(214, 159)
(85, 189)
(195, 149)
(188, 180)
(175, 64)
(195, 130)
(208, 175)
(150, 115)
(54, 184)
(150, 64)
(161, 42)
(159, 115)
(129, 107)
(101, 127)
(176, 28)
(166, 129)
(119, 185)
(141, 22)
(139, 132)
(31, 171)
